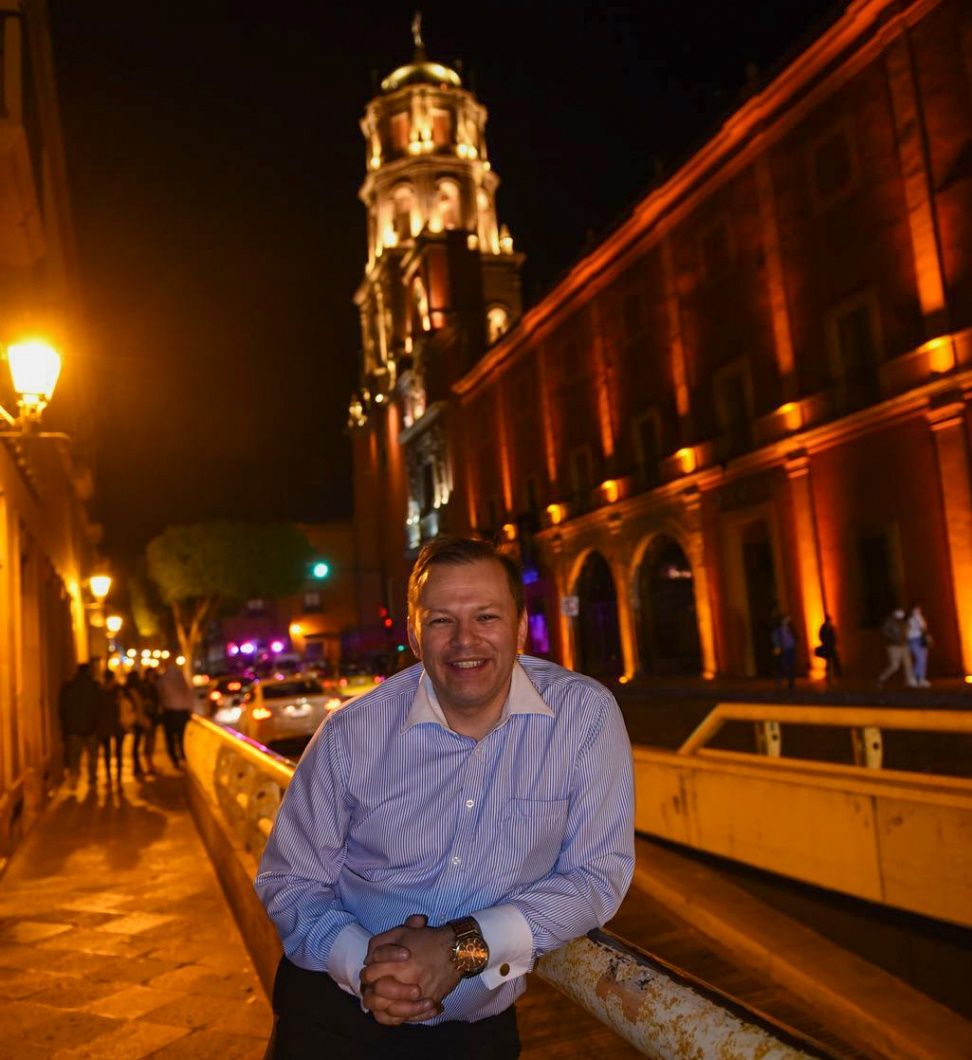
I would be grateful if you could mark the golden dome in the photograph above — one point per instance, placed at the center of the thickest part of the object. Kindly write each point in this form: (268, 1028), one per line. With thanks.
(421, 73)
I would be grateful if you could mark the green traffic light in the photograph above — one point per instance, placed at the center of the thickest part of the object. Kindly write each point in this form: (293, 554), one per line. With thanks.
(321, 569)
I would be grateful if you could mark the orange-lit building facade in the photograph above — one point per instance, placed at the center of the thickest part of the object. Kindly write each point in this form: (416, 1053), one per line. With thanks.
(752, 397)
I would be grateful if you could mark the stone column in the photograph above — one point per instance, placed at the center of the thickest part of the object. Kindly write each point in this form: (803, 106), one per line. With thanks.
(951, 444)
(808, 555)
(622, 583)
(695, 550)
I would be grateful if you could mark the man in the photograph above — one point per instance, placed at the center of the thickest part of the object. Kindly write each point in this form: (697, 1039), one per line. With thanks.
(443, 831)
(79, 706)
(895, 633)
(177, 703)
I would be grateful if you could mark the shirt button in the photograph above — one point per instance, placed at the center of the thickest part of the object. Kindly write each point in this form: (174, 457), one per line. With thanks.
(504, 969)
(470, 804)
(456, 861)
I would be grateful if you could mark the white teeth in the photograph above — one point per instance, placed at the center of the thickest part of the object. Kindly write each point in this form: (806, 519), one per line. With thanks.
(467, 665)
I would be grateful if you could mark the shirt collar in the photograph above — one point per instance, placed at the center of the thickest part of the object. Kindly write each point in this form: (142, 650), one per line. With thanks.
(523, 699)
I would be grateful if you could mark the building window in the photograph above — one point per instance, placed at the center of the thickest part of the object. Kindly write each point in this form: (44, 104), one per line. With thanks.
(442, 127)
(400, 132)
(879, 589)
(647, 447)
(312, 601)
(734, 408)
(832, 168)
(854, 340)
(447, 197)
(715, 250)
(403, 199)
(581, 473)
(497, 322)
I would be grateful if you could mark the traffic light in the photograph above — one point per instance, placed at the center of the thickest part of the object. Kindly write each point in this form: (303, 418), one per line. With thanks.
(320, 570)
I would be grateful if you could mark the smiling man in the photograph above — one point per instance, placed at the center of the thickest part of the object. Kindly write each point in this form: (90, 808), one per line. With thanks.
(445, 830)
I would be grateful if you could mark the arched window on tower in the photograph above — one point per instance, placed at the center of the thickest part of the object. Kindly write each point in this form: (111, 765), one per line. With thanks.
(449, 203)
(403, 200)
(497, 322)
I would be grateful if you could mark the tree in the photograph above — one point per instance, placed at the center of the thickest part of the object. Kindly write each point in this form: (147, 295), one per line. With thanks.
(203, 568)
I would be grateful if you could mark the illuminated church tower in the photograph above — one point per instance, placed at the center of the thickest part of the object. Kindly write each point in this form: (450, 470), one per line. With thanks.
(441, 284)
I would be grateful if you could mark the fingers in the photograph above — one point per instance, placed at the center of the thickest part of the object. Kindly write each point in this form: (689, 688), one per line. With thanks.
(417, 920)
(388, 987)
(386, 953)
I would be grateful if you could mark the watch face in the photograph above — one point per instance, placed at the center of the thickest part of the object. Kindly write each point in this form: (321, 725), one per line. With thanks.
(470, 954)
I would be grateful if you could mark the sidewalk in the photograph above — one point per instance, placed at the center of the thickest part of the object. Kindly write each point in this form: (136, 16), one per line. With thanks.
(115, 939)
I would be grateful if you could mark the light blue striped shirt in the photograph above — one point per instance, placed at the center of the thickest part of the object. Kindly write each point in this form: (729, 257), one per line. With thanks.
(391, 812)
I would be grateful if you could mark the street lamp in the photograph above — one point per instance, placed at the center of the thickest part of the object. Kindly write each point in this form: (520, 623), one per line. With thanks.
(34, 369)
(114, 623)
(100, 585)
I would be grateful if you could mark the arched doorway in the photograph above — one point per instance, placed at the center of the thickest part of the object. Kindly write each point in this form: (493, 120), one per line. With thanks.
(669, 630)
(596, 636)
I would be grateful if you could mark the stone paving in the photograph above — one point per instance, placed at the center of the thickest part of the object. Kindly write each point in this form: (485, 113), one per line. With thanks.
(115, 939)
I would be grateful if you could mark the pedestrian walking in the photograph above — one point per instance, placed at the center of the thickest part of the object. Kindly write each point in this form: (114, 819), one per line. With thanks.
(133, 690)
(895, 636)
(827, 650)
(919, 641)
(153, 717)
(784, 648)
(79, 705)
(109, 729)
(176, 699)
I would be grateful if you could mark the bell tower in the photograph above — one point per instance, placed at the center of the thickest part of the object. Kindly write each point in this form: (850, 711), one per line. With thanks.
(441, 284)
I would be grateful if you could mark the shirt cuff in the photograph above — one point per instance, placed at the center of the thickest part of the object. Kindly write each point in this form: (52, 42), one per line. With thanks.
(510, 942)
(347, 957)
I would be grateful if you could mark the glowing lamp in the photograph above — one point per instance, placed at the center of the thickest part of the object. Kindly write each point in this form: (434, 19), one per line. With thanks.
(99, 584)
(114, 623)
(792, 415)
(610, 490)
(686, 459)
(321, 569)
(623, 679)
(232, 648)
(180, 660)
(399, 647)
(968, 679)
(509, 531)
(34, 370)
(131, 653)
(157, 654)
(277, 646)
(296, 629)
(166, 654)
(248, 648)
(261, 714)
(556, 513)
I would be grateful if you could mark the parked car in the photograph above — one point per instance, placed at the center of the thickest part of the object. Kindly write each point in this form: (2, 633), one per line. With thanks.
(225, 697)
(285, 708)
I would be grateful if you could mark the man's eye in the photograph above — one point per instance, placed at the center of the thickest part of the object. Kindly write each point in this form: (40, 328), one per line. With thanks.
(438, 621)
(487, 618)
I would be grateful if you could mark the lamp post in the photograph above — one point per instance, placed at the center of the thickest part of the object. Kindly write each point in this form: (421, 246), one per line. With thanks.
(34, 370)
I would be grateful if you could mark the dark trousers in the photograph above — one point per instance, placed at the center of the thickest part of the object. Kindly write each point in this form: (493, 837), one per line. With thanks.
(106, 748)
(315, 1018)
(174, 722)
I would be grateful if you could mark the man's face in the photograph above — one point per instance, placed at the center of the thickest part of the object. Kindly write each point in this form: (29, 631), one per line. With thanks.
(467, 633)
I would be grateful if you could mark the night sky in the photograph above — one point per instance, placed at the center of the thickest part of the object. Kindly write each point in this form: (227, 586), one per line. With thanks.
(215, 159)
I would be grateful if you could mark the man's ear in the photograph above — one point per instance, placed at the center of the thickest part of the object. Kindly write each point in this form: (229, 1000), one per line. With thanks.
(413, 642)
(521, 633)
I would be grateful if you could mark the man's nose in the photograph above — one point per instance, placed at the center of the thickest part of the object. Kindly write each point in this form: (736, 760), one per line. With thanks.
(464, 632)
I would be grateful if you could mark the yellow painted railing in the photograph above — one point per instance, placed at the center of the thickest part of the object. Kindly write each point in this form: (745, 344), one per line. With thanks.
(235, 788)
(900, 838)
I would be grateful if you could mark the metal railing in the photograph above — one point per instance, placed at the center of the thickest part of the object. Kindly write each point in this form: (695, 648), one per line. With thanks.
(865, 725)
(663, 1012)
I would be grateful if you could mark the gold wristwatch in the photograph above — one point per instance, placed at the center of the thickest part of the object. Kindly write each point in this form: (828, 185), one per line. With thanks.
(470, 954)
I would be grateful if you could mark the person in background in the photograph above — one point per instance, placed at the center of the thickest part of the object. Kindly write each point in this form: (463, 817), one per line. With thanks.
(153, 717)
(827, 650)
(79, 706)
(110, 731)
(133, 690)
(177, 703)
(895, 634)
(784, 647)
(919, 641)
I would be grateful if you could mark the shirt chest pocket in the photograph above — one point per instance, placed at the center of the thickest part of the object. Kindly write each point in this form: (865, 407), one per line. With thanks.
(535, 831)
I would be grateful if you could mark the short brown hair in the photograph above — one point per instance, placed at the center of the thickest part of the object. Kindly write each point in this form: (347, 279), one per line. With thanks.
(451, 551)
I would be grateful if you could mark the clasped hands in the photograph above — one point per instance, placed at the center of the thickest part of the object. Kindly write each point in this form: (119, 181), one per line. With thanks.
(408, 971)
